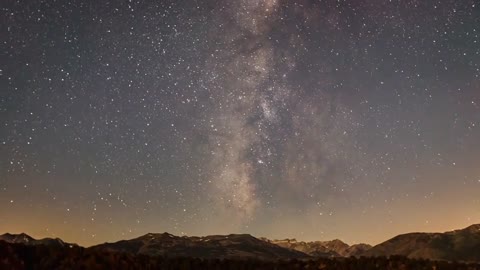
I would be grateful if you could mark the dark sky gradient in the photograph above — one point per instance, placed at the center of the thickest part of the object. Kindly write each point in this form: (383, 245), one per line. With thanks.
(316, 120)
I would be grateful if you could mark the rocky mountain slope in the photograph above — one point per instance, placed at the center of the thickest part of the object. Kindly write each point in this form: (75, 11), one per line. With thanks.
(460, 245)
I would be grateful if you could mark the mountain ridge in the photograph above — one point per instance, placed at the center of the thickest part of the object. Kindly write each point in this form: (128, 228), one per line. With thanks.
(456, 245)
(212, 246)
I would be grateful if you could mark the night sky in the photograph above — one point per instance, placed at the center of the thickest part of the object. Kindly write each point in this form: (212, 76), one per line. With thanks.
(314, 120)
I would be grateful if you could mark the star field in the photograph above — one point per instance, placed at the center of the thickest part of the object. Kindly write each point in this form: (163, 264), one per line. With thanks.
(310, 119)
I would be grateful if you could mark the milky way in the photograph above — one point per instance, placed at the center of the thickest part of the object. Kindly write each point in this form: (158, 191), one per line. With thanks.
(310, 119)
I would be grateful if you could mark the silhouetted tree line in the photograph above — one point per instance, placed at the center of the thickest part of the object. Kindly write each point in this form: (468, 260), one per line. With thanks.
(20, 257)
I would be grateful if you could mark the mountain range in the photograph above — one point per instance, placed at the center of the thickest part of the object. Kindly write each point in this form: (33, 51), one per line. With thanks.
(457, 245)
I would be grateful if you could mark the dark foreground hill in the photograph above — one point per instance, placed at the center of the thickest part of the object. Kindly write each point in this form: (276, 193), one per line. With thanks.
(458, 245)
